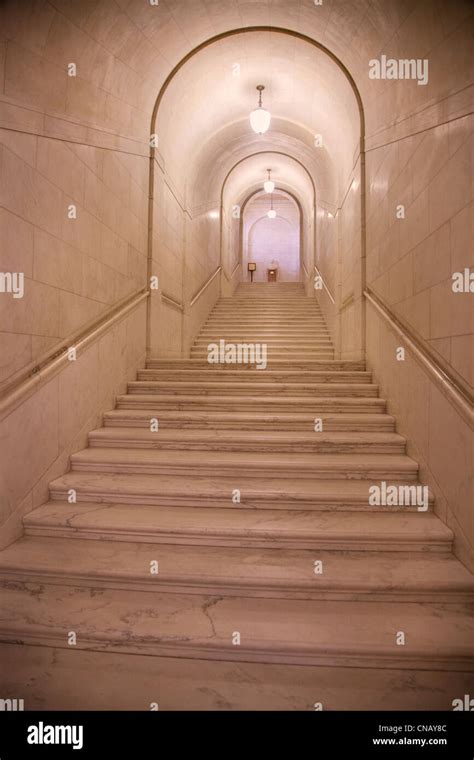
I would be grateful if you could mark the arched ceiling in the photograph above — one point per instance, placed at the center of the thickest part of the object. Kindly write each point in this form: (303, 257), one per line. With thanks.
(289, 175)
(202, 121)
(259, 204)
(126, 49)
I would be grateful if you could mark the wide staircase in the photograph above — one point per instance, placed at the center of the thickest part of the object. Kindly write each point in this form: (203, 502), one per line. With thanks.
(214, 546)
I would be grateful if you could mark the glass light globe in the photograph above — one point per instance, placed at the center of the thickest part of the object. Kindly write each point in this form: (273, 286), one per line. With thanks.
(260, 120)
(269, 186)
(272, 213)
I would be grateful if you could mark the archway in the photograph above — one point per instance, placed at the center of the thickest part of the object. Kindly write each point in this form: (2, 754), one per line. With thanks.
(272, 245)
(198, 164)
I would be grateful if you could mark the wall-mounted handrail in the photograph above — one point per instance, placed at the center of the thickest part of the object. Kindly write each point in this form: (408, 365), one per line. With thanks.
(451, 387)
(34, 376)
(206, 285)
(172, 301)
(324, 284)
(231, 276)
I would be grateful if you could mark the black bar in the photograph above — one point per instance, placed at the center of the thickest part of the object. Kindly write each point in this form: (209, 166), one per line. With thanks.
(223, 734)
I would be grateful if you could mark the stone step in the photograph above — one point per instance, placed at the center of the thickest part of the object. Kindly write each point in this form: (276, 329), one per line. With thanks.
(238, 440)
(140, 418)
(275, 332)
(271, 306)
(277, 355)
(132, 682)
(300, 318)
(284, 329)
(250, 388)
(239, 312)
(259, 336)
(202, 344)
(242, 465)
(333, 365)
(359, 634)
(281, 324)
(217, 491)
(231, 571)
(294, 301)
(315, 406)
(278, 350)
(267, 376)
(277, 312)
(240, 315)
(239, 527)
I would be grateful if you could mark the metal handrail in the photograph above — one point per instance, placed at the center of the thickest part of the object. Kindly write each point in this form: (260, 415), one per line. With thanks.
(206, 285)
(36, 375)
(451, 387)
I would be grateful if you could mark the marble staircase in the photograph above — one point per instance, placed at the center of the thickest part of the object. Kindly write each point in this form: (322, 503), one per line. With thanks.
(278, 585)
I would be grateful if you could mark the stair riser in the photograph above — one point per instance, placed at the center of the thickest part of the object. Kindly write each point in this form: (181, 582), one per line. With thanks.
(206, 652)
(269, 340)
(384, 426)
(351, 391)
(292, 469)
(259, 326)
(261, 321)
(210, 587)
(221, 500)
(281, 326)
(304, 448)
(272, 345)
(291, 355)
(307, 543)
(318, 366)
(213, 403)
(254, 376)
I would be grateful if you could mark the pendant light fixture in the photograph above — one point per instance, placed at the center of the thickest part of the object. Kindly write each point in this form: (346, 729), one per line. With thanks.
(272, 213)
(260, 118)
(269, 186)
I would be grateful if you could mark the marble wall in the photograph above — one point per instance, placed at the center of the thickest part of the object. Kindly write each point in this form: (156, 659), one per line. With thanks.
(40, 432)
(185, 254)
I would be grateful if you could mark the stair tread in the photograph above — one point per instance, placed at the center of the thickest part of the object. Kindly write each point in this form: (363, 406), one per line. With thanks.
(248, 461)
(332, 364)
(214, 436)
(252, 417)
(194, 625)
(261, 387)
(264, 399)
(205, 522)
(217, 485)
(234, 567)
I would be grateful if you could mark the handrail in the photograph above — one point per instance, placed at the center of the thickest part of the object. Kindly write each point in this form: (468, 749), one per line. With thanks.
(50, 364)
(322, 280)
(206, 285)
(454, 390)
(306, 271)
(230, 277)
(171, 301)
